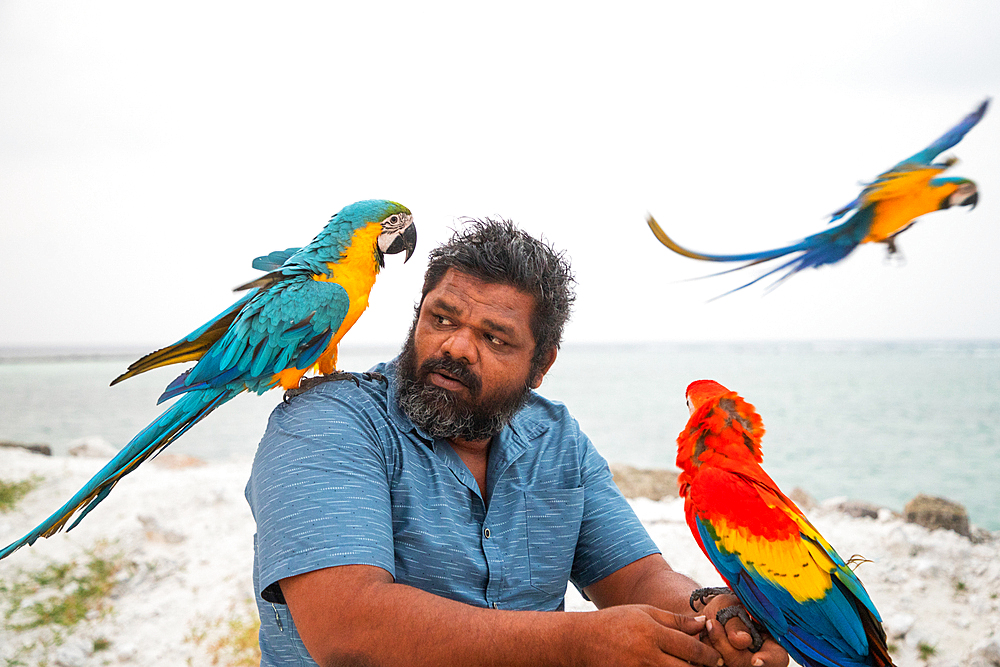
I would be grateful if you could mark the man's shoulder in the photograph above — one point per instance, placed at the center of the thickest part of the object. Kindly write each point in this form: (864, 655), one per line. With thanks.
(349, 394)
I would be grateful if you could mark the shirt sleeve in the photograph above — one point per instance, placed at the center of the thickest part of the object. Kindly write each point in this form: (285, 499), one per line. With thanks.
(319, 488)
(611, 535)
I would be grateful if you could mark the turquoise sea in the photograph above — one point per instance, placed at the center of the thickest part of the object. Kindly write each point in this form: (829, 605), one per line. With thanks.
(880, 422)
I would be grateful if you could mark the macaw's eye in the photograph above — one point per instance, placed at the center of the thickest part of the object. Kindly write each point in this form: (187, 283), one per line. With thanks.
(394, 219)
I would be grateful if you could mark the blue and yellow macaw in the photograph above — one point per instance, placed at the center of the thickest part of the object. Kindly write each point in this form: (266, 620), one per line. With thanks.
(884, 209)
(773, 559)
(289, 321)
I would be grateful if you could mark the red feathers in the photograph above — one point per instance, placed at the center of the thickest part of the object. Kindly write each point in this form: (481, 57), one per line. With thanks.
(721, 425)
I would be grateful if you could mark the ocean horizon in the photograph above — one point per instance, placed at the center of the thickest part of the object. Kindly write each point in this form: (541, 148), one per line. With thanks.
(879, 421)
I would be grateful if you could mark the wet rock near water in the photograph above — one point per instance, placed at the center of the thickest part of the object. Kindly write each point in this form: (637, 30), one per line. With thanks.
(859, 509)
(652, 483)
(93, 446)
(36, 448)
(932, 512)
(802, 498)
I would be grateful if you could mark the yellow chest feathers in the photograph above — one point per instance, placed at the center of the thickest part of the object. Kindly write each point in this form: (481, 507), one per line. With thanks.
(896, 214)
(355, 272)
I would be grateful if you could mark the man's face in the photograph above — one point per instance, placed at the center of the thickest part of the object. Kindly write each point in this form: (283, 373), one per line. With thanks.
(465, 368)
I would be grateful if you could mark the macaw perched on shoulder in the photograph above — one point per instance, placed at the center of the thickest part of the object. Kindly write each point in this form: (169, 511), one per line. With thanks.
(885, 208)
(289, 321)
(786, 575)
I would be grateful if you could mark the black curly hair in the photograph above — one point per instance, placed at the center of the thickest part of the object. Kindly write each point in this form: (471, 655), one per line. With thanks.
(496, 251)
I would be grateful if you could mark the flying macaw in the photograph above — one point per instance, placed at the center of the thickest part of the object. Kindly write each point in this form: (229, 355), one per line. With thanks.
(884, 209)
(289, 321)
(786, 575)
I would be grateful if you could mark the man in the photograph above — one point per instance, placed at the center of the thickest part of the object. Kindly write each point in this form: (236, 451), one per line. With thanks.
(435, 518)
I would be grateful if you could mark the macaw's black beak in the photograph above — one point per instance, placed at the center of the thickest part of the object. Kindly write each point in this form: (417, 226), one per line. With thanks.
(406, 241)
(971, 200)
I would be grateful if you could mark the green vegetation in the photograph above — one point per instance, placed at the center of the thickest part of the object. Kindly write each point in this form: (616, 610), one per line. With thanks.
(12, 492)
(960, 587)
(925, 650)
(49, 603)
(892, 647)
(76, 588)
(238, 647)
(233, 640)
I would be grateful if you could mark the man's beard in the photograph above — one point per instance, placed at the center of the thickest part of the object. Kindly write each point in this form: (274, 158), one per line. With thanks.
(442, 413)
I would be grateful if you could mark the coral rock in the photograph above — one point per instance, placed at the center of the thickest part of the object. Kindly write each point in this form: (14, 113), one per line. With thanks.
(931, 512)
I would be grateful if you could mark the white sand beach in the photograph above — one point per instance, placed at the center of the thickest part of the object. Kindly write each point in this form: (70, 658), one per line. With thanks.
(180, 536)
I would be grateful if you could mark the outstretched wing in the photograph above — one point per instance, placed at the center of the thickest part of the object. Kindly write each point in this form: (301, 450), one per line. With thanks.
(919, 160)
(787, 576)
(949, 138)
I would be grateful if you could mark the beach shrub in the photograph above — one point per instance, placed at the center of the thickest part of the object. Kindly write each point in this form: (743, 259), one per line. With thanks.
(12, 492)
(47, 604)
(925, 650)
(62, 593)
(230, 641)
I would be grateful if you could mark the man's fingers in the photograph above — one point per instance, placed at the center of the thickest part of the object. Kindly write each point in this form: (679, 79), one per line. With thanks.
(770, 655)
(690, 625)
(736, 633)
(679, 638)
(720, 641)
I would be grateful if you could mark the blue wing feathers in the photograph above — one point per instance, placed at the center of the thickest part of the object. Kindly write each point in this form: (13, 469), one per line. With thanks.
(949, 138)
(200, 331)
(824, 632)
(273, 261)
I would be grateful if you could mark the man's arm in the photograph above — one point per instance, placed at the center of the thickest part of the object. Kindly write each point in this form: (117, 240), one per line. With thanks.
(651, 581)
(355, 616)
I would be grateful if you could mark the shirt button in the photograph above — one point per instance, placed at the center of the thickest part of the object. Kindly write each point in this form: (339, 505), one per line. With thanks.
(486, 533)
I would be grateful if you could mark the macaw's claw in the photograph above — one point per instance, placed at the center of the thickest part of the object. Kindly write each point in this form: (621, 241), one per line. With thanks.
(372, 376)
(755, 629)
(305, 384)
(703, 595)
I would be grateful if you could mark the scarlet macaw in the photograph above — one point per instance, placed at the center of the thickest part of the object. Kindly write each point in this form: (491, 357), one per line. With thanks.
(786, 575)
(289, 321)
(882, 211)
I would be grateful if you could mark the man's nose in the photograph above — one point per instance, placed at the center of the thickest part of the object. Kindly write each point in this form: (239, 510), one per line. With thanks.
(461, 346)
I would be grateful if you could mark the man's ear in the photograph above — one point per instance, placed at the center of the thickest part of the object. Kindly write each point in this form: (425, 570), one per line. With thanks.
(550, 358)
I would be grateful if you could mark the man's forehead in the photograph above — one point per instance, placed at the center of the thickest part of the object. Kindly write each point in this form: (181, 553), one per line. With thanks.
(458, 291)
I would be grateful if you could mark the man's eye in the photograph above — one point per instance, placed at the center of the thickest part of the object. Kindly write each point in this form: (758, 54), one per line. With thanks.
(441, 319)
(493, 339)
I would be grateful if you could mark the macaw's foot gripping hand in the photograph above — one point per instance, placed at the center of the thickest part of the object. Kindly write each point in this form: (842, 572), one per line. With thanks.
(305, 384)
(703, 595)
(755, 629)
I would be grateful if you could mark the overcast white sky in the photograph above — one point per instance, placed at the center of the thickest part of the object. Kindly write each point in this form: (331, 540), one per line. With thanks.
(149, 151)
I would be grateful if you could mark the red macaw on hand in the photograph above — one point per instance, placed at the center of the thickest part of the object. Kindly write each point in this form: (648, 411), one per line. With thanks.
(787, 576)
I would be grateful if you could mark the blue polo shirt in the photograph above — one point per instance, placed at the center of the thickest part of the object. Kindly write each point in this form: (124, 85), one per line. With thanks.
(343, 477)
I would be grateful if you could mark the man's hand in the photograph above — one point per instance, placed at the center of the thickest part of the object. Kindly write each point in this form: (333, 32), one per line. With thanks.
(733, 641)
(643, 635)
